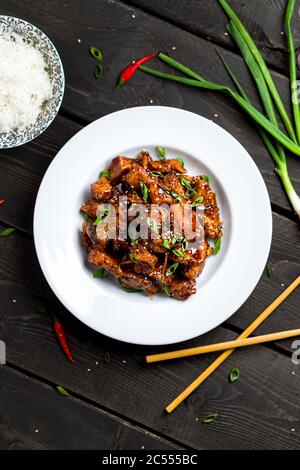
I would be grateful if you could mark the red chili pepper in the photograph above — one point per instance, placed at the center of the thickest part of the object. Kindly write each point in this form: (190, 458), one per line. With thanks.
(127, 73)
(2, 202)
(61, 337)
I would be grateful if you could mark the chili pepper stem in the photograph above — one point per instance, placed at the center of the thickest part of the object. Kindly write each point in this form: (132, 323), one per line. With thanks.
(120, 84)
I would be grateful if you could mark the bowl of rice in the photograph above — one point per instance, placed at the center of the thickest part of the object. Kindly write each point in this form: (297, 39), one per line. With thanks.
(32, 82)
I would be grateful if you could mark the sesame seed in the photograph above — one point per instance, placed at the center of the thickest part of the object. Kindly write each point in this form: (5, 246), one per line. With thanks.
(293, 429)
(79, 40)
(36, 430)
(225, 34)
(174, 48)
(89, 370)
(151, 101)
(282, 285)
(293, 372)
(216, 115)
(197, 419)
(96, 363)
(132, 16)
(14, 301)
(282, 33)
(124, 362)
(142, 447)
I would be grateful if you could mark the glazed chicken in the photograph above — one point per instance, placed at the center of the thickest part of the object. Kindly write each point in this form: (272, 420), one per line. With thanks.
(159, 262)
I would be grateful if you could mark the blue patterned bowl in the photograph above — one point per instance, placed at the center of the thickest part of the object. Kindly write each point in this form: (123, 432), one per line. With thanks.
(33, 35)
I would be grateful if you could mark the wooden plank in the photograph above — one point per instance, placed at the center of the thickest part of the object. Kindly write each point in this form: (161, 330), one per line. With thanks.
(263, 18)
(35, 417)
(125, 33)
(259, 411)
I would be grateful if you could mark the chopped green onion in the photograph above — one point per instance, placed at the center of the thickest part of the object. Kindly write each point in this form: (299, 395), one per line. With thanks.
(166, 290)
(132, 258)
(132, 241)
(175, 240)
(100, 218)
(205, 178)
(210, 418)
(152, 224)
(89, 219)
(62, 391)
(197, 201)
(96, 53)
(179, 253)
(187, 184)
(104, 173)
(174, 195)
(185, 244)
(130, 290)
(217, 246)
(159, 174)
(234, 374)
(106, 357)
(162, 152)
(181, 161)
(166, 244)
(100, 273)
(172, 269)
(145, 191)
(269, 269)
(98, 70)
(7, 231)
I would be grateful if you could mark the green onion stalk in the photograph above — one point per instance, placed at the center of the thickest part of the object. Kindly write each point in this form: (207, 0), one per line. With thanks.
(267, 125)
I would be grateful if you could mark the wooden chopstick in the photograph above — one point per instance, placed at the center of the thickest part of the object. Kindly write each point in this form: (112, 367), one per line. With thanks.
(237, 343)
(247, 332)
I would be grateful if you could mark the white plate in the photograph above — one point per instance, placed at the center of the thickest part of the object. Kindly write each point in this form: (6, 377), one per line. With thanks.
(228, 278)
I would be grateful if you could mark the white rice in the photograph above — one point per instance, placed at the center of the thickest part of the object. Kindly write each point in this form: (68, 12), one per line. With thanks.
(24, 83)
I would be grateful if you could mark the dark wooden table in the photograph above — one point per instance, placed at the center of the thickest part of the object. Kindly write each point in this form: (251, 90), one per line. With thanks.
(119, 405)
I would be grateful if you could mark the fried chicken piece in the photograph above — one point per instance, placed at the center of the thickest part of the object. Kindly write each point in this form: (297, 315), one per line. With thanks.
(181, 289)
(90, 208)
(89, 231)
(195, 267)
(136, 175)
(158, 195)
(138, 281)
(144, 261)
(118, 168)
(101, 189)
(144, 159)
(172, 182)
(165, 166)
(106, 261)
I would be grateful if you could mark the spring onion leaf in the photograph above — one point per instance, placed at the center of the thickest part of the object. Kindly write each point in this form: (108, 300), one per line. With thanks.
(185, 244)
(234, 375)
(7, 231)
(132, 258)
(98, 70)
(293, 65)
(205, 178)
(179, 253)
(106, 357)
(89, 219)
(172, 269)
(197, 201)
(100, 273)
(269, 269)
(210, 418)
(166, 244)
(181, 161)
(217, 246)
(187, 184)
(130, 290)
(263, 67)
(162, 152)
(166, 290)
(96, 53)
(145, 191)
(100, 218)
(159, 174)
(62, 391)
(104, 173)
